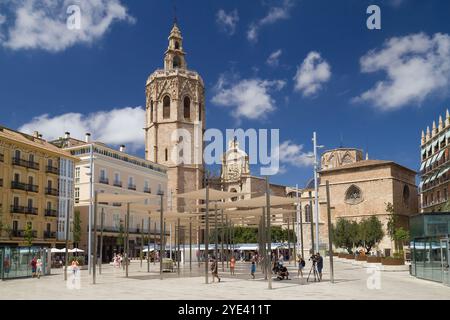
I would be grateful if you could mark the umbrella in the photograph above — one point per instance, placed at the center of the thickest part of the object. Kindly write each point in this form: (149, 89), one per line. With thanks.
(54, 250)
(76, 250)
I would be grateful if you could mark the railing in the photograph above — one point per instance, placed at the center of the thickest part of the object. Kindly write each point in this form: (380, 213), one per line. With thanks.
(147, 190)
(18, 185)
(103, 180)
(50, 169)
(31, 210)
(49, 234)
(51, 192)
(132, 186)
(21, 233)
(51, 213)
(32, 188)
(25, 163)
(18, 209)
(118, 184)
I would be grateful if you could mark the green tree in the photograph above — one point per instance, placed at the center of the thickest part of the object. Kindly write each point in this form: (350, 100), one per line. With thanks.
(401, 235)
(8, 230)
(370, 232)
(397, 233)
(120, 237)
(28, 234)
(345, 234)
(76, 228)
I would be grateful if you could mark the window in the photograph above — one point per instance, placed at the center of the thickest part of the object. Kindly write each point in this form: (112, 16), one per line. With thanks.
(116, 178)
(50, 163)
(307, 213)
(406, 194)
(30, 203)
(30, 180)
(353, 195)
(16, 202)
(17, 154)
(438, 196)
(49, 206)
(177, 45)
(31, 158)
(444, 192)
(102, 174)
(166, 154)
(166, 107)
(77, 175)
(49, 228)
(49, 184)
(15, 225)
(187, 108)
(176, 62)
(77, 195)
(151, 110)
(16, 177)
(159, 188)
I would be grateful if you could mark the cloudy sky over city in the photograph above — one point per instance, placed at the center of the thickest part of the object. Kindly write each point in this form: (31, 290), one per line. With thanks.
(295, 65)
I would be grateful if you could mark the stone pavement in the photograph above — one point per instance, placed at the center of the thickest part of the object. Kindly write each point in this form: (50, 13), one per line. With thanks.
(351, 282)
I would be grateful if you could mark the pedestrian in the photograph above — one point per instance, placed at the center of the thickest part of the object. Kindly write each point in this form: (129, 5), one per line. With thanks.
(74, 269)
(39, 267)
(319, 265)
(253, 269)
(232, 265)
(33, 267)
(214, 269)
(301, 265)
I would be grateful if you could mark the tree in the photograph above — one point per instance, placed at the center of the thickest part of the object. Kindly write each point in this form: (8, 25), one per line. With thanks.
(397, 234)
(120, 237)
(76, 228)
(401, 235)
(28, 234)
(345, 234)
(370, 232)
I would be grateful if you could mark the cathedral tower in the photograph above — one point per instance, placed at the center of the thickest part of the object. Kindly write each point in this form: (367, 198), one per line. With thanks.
(175, 122)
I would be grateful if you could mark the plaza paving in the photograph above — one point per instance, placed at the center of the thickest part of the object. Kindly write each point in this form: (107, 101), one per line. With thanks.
(351, 282)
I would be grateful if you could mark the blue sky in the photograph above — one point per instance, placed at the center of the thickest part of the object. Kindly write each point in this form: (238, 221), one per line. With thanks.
(371, 89)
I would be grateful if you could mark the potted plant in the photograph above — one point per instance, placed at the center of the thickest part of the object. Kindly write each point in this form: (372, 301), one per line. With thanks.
(373, 259)
(396, 260)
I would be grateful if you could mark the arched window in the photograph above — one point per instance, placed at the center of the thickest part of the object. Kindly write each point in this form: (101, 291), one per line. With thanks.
(176, 62)
(177, 45)
(307, 213)
(166, 107)
(353, 195)
(151, 110)
(406, 194)
(187, 108)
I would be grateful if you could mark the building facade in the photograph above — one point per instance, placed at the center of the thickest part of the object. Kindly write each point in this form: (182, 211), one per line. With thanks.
(435, 166)
(362, 188)
(114, 172)
(175, 122)
(36, 189)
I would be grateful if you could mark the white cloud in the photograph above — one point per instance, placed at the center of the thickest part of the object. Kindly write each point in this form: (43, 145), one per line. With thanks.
(312, 74)
(293, 154)
(273, 59)
(2, 18)
(416, 66)
(42, 24)
(250, 98)
(273, 15)
(114, 127)
(227, 22)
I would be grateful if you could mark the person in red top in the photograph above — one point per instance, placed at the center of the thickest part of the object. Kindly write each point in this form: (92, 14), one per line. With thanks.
(33, 267)
(232, 265)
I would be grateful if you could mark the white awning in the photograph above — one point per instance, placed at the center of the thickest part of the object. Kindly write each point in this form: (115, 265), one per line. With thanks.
(428, 149)
(434, 159)
(435, 144)
(441, 153)
(423, 165)
(421, 184)
(447, 135)
(428, 163)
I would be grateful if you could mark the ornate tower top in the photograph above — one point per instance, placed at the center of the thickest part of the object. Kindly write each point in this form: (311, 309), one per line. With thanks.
(174, 55)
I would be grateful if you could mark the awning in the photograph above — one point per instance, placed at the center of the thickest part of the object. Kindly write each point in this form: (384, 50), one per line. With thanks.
(423, 165)
(428, 149)
(428, 163)
(433, 177)
(435, 144)
(213, 195)
(447, 135)
(434, 159)
(440, 155)
(424, 152)
(443, 172)
(421, 184)
(441, 138)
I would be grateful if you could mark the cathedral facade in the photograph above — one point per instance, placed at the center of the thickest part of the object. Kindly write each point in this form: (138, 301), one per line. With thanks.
(175, 122)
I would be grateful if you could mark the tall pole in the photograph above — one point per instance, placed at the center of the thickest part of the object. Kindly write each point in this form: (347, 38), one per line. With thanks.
(141, 253)
(299, 219)
(66, 262)
(294, 241)
(170, 240)
(91, 189)
(330, 244)
(102, 218)
(94, 260)
(154, 243)
(148, 244)
(222, 239)
(206, 231)
(289, 238)
(161, 227)
(228, 240)
(178, 251)
(269, 238)
(198, 242)
(127, 252)
(316, 191)
(190, 244)
(216, 231)
(311, 221)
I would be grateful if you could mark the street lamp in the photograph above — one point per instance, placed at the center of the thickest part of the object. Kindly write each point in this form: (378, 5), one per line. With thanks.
(316, 188)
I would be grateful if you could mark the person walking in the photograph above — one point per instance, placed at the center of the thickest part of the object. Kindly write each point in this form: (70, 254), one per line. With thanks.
(301, 266)
(232, 265)
(319, 265)
(33, 267)
(214, 269)
(253, 269)
(74, 266)
(39, 267)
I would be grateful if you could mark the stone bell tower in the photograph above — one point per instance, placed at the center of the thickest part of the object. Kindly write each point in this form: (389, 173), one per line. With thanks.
(175, 122)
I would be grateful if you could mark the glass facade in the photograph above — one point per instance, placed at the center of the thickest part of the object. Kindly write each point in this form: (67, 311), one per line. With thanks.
(430, 246)
(16, 261)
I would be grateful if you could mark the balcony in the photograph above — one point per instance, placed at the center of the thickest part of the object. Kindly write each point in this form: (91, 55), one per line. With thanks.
(132, 187)
(18, 185)
(103, 180)
(147, 190)
(50, 169)
(31, 210)
(17, 209)
(51, 192)
(51, 213)
(25, 163)
(21, 233)
(32, 188)
(118, 184)
(117, 204)
(49, 234)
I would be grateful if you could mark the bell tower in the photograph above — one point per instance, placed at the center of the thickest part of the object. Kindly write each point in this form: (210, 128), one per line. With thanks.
(175, 122)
